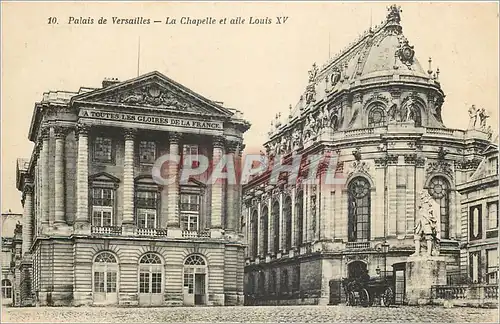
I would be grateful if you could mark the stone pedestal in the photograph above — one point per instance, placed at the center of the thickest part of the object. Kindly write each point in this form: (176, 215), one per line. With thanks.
(216, 233)
(422, 272)
(174, 232)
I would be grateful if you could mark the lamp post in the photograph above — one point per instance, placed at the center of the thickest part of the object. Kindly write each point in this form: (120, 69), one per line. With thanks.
(385, 249)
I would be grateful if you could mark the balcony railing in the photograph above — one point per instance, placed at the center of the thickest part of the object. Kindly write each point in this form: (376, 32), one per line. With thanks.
(357, 245)
(151, 231)
(194, 234)
(480, 292)
(106, 230)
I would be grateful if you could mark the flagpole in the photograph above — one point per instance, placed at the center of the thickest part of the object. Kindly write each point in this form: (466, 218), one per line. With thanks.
(138, 55)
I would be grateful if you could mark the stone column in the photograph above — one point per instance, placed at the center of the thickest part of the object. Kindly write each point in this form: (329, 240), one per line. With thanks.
(173, 187)
(45, 177)
(37, 189)
(27, 217)
(232, 202)
(128, 178)
(238, 188)
(59, 177)
(82, 220)
(259, 232)
(217, 188)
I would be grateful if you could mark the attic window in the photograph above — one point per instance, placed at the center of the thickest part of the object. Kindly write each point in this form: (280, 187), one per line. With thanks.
(147, 152)
(103, 149)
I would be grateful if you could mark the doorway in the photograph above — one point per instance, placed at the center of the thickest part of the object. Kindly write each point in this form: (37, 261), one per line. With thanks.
(105, 277)
(151, 280)
(356, 269)
(195, 271)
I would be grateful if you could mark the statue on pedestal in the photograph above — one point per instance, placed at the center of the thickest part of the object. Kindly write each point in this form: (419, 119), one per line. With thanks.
(427, 225)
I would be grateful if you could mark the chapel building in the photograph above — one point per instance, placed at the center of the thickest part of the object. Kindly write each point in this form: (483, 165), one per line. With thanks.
(376, 112)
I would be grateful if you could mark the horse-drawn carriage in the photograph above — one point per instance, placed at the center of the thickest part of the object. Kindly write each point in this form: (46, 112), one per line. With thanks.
(366, 292)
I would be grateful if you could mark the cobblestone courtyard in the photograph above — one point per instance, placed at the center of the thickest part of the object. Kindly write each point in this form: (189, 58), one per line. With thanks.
(282, 314)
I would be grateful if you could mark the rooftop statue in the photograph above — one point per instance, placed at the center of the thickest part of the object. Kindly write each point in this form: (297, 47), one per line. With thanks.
(313, 73)
(393, 14)
(472, 117)
(482, 118)
(427, 225)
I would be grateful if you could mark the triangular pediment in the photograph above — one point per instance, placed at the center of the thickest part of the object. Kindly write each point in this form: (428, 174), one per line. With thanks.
(103, 177)
(154, 91)
(481, 171)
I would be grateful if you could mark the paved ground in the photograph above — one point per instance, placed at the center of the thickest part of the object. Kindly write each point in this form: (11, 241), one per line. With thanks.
(281, 314)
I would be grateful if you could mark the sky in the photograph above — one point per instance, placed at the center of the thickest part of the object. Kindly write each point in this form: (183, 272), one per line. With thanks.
(258, 69)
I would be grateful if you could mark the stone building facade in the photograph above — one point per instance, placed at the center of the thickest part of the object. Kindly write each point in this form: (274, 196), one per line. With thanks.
(11, 243)
(375, 114)
(479, 219)
(98, 228)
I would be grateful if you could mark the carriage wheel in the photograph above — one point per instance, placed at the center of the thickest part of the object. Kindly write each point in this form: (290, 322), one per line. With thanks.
(364, 298)
(388, 298)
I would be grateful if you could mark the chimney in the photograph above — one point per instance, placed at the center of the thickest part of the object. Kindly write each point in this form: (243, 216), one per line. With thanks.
(109, 82)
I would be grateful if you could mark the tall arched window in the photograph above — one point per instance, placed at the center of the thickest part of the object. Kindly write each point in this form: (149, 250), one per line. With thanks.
(359, 210)
(255, 233)
(376, 116)
(150, 274)
(299, 216)
(439, 189)
(276, 227)
(287, 212)
(195, 271)
(105, 274)
(264, 231)
(6, 288)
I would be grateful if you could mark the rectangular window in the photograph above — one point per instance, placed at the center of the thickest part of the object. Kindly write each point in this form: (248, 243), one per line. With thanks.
(493, 215)
(111, 281)
(99, 281)
(190, 149)
(144, 282)
(156, 282)
(146, 208)
(147, 152)
(475, 222)
(102, 206)
(492, 271)
(103, 149)
(493, 166)
(189, 280)
(190, 210)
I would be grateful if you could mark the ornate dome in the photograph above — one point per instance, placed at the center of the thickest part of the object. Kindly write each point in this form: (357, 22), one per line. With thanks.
(375, 81)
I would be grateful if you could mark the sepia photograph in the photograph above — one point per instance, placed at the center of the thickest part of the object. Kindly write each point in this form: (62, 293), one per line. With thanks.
(249, 162)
